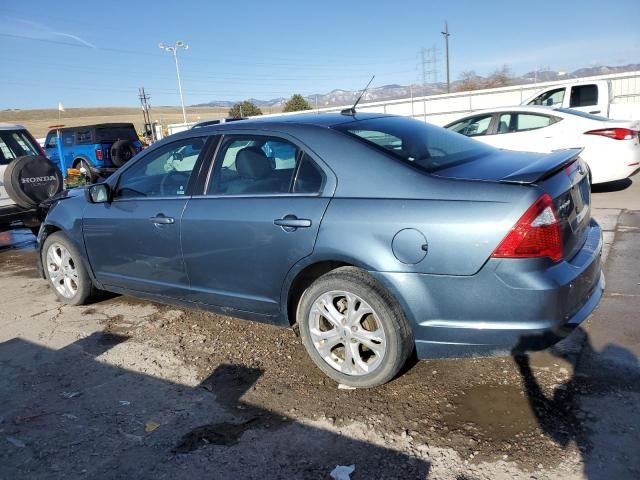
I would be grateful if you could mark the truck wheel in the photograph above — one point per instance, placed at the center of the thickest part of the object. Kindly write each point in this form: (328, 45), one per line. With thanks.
(65, 270)
(85, 169)
(353, 329)
(121, 152)
(31, 179)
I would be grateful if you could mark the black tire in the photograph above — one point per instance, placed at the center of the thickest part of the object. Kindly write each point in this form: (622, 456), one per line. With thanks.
(121, 152)
(89, 175)
(399, 338)
(32, 179)
(85, 290)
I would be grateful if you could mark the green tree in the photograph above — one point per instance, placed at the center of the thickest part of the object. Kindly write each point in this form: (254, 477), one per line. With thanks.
(296, 103)
(244, 109)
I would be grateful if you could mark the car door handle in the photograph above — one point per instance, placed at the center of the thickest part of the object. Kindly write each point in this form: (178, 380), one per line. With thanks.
(291, 222)
(162, 220)
(594, 112)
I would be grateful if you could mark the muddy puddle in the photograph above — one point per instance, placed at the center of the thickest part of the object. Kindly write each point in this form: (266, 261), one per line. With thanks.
(499, 412)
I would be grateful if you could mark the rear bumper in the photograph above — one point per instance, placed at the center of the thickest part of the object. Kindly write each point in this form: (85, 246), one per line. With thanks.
(510, 304)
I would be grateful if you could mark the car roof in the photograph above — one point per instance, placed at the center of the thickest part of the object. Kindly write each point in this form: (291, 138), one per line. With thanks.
(97, 125)
(516, 108)
(315, 119)
(11, 126)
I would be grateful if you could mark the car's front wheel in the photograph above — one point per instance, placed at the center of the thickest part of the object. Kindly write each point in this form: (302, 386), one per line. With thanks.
(65, 270)
(352, 328)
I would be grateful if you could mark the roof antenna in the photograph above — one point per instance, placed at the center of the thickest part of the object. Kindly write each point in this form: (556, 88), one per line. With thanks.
(352, 111)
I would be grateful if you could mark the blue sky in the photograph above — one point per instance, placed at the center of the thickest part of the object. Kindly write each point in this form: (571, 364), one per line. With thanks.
(86, 53)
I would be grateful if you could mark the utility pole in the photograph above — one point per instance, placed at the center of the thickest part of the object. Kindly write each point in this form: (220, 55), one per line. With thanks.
(446, 53)
(146, 114)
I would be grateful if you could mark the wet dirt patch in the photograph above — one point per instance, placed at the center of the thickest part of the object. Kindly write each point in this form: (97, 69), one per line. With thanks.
(499, 412)
(19, 263)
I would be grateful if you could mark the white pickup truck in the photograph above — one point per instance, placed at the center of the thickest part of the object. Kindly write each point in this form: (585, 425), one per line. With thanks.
(606, 98)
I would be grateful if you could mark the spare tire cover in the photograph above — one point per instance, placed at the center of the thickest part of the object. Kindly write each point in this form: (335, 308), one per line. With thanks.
(31, 179)
(121, 152)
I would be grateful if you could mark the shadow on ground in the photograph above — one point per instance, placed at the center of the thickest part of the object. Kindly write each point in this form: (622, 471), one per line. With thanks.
(67, 414)
(597, 408)
(615, 186)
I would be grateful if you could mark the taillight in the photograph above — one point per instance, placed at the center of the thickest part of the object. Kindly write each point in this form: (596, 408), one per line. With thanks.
(98, 153)
(536, 234)
(615, 133)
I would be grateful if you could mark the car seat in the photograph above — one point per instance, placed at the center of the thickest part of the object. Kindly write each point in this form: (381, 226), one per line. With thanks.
(255, 171)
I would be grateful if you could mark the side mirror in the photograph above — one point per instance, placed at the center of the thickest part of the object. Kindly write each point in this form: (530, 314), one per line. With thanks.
(99, 193)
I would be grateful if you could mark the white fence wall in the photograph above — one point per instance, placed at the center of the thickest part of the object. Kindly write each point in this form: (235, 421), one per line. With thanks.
(441, 109)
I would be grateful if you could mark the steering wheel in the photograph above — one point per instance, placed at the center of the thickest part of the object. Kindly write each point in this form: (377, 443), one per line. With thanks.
(170, 182)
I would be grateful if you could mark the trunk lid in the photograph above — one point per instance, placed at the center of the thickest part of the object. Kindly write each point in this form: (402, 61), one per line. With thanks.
(561, 174)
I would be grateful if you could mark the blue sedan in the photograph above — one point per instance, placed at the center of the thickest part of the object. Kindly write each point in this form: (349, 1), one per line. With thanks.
(375, 235)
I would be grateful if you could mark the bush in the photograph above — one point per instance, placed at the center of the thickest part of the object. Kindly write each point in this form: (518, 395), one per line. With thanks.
(244, 109)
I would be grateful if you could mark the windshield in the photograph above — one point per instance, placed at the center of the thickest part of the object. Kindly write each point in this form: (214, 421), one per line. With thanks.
(15, 144)
(422, 145)
(579, 113)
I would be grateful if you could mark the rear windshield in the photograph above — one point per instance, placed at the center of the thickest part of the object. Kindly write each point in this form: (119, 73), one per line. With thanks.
(424, 146)
(15, 144)
(113, 134)
(579, 113)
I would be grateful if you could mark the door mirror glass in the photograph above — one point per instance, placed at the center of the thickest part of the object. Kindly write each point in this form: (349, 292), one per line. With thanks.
(99, 193)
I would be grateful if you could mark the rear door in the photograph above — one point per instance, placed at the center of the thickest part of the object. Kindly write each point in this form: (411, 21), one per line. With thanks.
(259, 215)
(133, 242)
(528, 132)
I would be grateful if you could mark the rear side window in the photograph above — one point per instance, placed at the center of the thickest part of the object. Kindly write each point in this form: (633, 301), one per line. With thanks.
(113, 134)
(83, 137)
(419, 144)
(522, 122)
(583, 96)
(472, 127)
(309, 177)
(263, 165)
(15, 144)
(552, 98)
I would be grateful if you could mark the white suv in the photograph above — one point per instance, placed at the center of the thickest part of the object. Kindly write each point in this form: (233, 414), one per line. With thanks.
(26, 178)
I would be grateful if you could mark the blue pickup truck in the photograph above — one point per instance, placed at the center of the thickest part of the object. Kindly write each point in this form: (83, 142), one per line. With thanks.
(95, 150)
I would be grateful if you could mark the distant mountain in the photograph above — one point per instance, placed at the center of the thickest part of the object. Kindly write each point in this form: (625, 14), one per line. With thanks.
(395, 91)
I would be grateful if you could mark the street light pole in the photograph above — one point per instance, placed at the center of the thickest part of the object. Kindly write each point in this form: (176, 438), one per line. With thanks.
(174, 51)
(446, 52)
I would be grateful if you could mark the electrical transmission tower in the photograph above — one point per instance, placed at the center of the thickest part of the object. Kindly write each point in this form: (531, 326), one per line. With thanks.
(429, 63)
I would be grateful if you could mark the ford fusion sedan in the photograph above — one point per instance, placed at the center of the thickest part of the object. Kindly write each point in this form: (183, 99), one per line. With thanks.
(611, 147)
(376, 235)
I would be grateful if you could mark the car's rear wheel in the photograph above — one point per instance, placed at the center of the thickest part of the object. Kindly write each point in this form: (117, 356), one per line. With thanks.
(353, 329)
(65, 270)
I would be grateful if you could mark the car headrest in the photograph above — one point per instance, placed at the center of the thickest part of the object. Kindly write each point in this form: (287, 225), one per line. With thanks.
(251, 162)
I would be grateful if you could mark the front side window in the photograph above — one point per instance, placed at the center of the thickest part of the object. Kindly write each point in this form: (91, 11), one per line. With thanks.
(52, 140)
(253, 164)
(583, 96)
(419, 144)
(162, 173)
(552, 98)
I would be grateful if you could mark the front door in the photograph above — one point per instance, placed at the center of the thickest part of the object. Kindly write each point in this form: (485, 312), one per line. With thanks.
(133, 241)
(260, 215)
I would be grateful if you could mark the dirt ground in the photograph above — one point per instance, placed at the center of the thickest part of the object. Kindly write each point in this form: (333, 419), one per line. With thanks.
(126, 388)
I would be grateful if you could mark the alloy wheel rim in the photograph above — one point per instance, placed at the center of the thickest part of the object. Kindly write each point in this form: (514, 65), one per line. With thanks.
(347, 333)
(62, 270)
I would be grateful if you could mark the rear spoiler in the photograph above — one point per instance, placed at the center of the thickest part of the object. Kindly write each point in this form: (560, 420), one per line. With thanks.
(545, 167)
